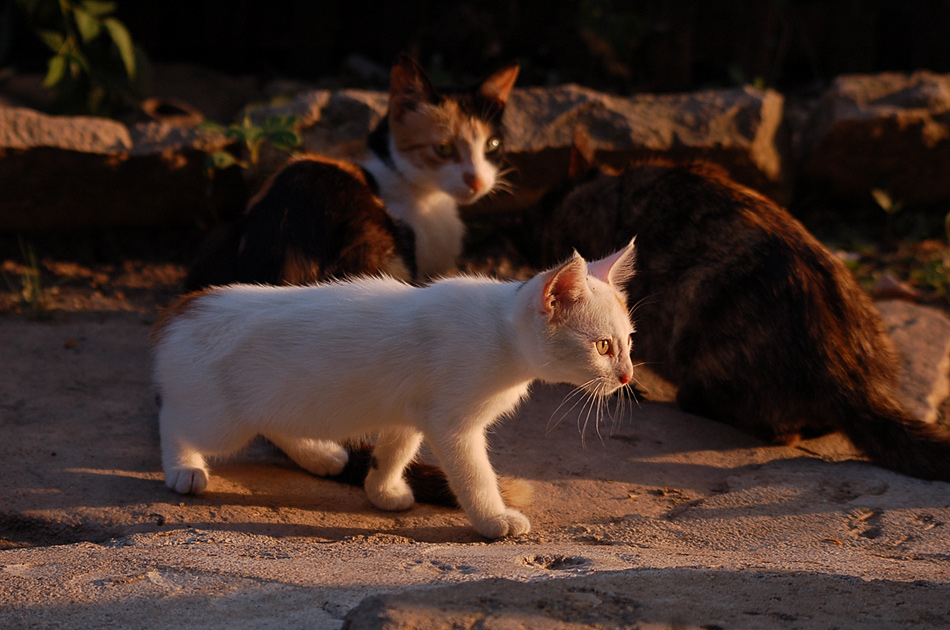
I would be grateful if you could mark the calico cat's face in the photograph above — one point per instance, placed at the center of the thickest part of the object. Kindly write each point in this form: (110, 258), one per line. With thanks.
(448, 142)
(585, 330)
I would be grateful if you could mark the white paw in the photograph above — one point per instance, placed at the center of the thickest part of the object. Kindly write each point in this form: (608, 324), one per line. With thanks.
(320, 457)
(187, 480)
(508, 523)
(392, 497)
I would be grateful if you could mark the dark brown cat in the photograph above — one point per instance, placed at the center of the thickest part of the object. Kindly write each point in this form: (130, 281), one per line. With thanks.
(394, 212)
(744, 310)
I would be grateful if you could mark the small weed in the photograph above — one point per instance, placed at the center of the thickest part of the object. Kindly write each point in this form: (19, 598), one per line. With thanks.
(29, 288)
(278, 131)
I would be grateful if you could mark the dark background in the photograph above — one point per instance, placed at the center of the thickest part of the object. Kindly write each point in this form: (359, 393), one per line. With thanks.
(624, 47)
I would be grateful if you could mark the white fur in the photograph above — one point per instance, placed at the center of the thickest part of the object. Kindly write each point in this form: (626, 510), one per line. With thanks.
(309, 366)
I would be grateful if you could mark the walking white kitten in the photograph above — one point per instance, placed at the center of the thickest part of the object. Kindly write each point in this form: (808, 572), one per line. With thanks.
(308, 366)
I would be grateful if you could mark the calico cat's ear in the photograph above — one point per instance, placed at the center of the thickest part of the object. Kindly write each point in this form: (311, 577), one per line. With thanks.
(617, 268)
(408, 86)
(498, 86)
(564, 285)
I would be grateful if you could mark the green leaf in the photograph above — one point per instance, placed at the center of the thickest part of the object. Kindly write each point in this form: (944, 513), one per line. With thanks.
(123, 41)
(221, 160)
(53, 40)
(98, 9)
(283, 139)
(210, 126)
(57, 68)
(89, 27)
(280, 123)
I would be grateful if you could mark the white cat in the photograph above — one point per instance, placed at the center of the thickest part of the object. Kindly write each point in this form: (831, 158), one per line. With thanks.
(308, 366)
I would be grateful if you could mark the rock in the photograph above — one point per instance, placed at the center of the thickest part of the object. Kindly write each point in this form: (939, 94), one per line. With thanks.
(922, 337)
(649, 599)
(333, 123)
(74, 172)
(886, 131)
(736, 128)
(888, 287)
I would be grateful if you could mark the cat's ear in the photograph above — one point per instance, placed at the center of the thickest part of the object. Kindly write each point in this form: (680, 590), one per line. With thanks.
(564, 285)
(498, 86)
(408, 86)
(617, 268)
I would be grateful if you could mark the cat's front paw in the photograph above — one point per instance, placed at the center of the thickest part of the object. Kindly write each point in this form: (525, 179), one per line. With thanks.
(508, 523)
(185, 480)
(392, 497)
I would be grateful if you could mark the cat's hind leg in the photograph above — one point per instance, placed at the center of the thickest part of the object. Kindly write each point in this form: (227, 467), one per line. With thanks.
(320, 457)
(187, 441)
(385, 484)
(186, 471)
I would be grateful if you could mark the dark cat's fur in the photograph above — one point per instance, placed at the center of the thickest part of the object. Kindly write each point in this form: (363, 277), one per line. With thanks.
(394, 212)
(744, 310)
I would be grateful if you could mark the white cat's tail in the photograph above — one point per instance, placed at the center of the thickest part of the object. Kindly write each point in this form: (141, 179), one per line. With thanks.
(428, 482)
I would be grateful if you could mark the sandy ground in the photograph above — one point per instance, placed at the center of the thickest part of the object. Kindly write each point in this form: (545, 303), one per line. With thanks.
(660, 520)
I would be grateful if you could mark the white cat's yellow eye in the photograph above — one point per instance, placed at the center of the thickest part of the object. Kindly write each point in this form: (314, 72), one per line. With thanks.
(444, 149)
(603, 346)
(492, 144)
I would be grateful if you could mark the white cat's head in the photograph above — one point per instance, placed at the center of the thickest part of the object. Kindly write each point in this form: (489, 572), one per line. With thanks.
(575, 323)
(450, 142)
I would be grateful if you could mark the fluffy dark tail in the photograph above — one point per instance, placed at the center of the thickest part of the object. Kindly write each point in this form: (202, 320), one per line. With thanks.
(894, 439)
(428, 483)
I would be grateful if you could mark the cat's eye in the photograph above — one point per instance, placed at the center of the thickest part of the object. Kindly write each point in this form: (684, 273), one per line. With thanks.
(603, 346)
(444, 149)
(492, 144)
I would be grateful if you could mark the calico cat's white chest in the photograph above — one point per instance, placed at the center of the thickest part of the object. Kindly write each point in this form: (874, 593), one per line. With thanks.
(438, 231)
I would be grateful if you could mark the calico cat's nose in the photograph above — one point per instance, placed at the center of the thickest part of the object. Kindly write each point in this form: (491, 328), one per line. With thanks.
(625, 378)
(474, 182)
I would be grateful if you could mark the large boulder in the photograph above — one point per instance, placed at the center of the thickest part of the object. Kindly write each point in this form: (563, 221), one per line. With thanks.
(736, 128)
(74, 172)
(885, 131)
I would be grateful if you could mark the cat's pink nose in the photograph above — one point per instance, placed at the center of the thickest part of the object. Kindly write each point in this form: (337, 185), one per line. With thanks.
(473, 182)
(625, 378)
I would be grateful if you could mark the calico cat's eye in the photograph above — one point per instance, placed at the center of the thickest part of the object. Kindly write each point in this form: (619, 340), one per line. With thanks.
(492, 144)
(444, 149)
(603, 346)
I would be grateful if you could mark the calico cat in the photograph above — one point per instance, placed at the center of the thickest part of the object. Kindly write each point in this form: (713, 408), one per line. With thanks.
(394, 212)
(744, 310)
(307, 366)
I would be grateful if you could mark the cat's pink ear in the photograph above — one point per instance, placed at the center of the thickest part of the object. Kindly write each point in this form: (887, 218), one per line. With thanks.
(617, 268)
(564, 285)
(408, 85)
(498, 86)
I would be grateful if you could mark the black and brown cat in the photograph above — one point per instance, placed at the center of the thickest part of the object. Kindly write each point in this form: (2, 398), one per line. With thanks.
(737, 304)
(394, 212)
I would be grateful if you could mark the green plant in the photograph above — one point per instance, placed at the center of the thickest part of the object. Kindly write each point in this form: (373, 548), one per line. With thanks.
(278, 131)
(30, 290)
(95, 67)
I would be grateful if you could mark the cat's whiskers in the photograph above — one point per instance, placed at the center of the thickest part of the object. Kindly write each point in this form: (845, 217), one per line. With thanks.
(577, 392)
(502, 185)
(596, 403)
(646, 300)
